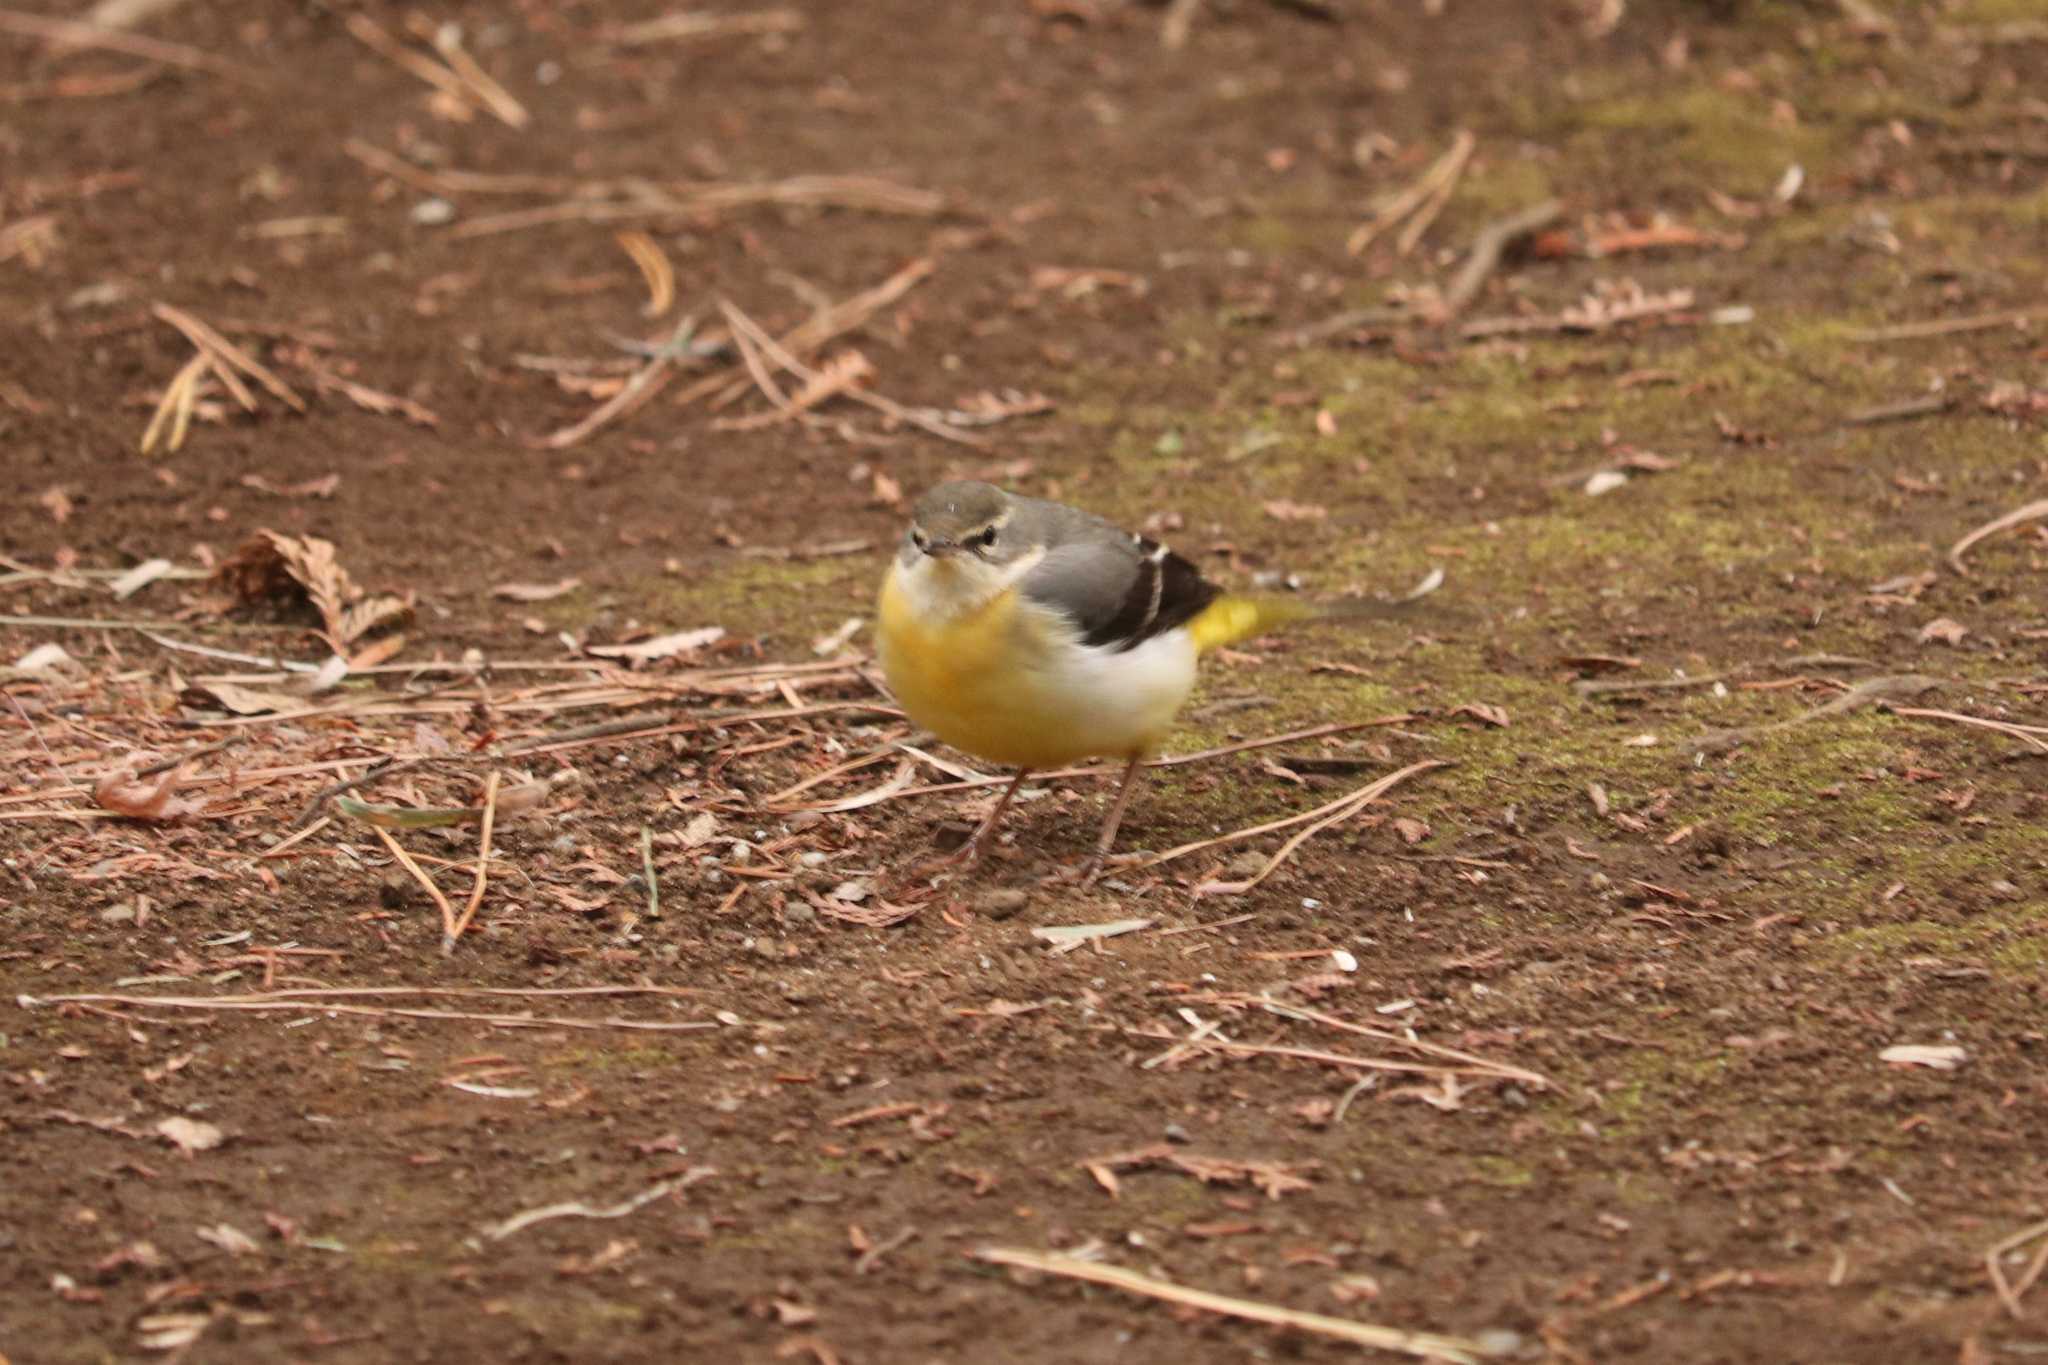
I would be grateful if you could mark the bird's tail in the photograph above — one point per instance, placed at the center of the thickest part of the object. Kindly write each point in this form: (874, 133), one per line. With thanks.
(1232, 618)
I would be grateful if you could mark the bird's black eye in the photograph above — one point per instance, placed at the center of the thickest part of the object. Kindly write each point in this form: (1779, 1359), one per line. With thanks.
(917, 538)
(986, 538)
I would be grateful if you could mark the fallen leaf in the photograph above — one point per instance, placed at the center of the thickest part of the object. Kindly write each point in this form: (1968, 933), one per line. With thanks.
(322, 487)
(58, 502)
(536, 592)
(242, 701)
(270, 565)
(170, 1331)
(1483, 711)
(661, 646)
(1411, 831)
(190, 1135)
(1285, 509)
(138, 578)
(229, 1238)
(888, 492)
(1944, 631)
(120, 790)
(1940, 1058)
(1604, 481)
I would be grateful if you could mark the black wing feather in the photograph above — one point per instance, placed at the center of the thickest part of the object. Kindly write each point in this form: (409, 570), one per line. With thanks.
(1167, 591)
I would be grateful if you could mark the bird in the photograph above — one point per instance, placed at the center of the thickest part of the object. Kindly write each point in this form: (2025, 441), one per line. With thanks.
(1032, 634)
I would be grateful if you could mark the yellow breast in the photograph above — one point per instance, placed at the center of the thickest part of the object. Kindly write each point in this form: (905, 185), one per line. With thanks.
(1004, 682)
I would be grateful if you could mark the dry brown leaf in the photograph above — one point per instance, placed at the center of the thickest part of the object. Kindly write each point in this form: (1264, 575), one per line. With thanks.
(1411, 831)
(888, 492)
(190, 1135)
(536, 592)
(661, 646)
(121, 791)
(1076, 281)
(991, 407)
(230, 1239)
(272, 565)
(1942, 630)
(1285, 509)
(322, 487)
(242, 701)
(58, 502)
(847, 370)
(1483, 711)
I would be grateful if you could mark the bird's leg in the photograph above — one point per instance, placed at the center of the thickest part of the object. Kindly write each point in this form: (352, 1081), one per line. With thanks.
(971, 851)
(1105, 841)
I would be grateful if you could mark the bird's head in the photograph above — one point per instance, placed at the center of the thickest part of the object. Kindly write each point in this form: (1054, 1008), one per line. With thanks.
(970, 537)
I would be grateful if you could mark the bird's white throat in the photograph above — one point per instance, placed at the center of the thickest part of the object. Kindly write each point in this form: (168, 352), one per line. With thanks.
(944, 589)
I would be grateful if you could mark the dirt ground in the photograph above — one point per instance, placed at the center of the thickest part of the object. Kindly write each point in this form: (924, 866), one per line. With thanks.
(1582, 1047)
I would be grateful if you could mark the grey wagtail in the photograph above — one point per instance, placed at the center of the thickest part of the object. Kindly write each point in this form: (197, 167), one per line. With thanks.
(1033, 634)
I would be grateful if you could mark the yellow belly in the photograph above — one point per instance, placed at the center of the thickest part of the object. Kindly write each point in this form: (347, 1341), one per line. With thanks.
(1006, 683)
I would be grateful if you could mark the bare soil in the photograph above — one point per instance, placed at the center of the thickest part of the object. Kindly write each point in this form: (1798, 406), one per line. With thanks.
(1702, 953)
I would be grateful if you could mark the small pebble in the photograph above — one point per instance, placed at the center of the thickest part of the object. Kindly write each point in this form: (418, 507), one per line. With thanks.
(1599, 881)
(1499, 1341)
(796, 912)
(767, 947)
(433, 212)
(118, 914)
(1176, 1133)
(1246, 865)
(1001, 903)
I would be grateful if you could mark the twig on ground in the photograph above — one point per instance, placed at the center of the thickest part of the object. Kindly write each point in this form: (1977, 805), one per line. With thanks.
(647, 870)
(923, 418)
(483, 866)
(2019, 516)
(2010, 1293)
(652, 262)
(1310, 1016)
(1422, 1345)
(1487, 249)
(405, 860)
(1424, 199)
(1870, 692)
(466, 82)
(1333, 812)
(1899, 412)
(2025, 734)
(646, 382)
(134, 45)
(1941, 327)
(576, 1208)
(228, 357)
(273, 1006)
(836, 191)
(180, 398)
(694, 24)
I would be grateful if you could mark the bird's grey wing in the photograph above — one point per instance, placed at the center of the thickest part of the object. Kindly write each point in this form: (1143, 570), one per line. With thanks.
(1119, 590)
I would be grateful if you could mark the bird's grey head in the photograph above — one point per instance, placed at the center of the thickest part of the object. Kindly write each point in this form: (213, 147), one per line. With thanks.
(965, 520)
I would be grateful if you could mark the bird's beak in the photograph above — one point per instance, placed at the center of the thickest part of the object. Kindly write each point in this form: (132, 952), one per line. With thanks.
(941, 549)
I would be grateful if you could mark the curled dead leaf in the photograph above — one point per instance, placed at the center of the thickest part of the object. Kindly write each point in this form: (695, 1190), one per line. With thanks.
(536, 592)
(1942, 630)
(1286, 509)
(661, 646)
(122, 791)
(270, 565)
(190, 1135)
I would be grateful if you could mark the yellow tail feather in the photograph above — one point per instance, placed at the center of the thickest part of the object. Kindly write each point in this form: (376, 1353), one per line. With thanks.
(1230, 619)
